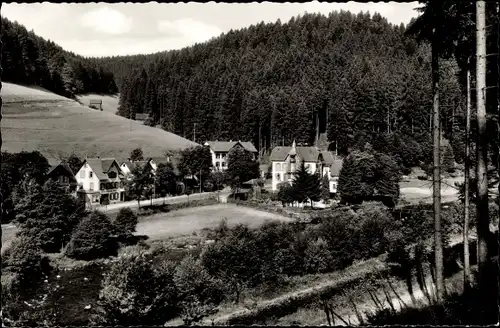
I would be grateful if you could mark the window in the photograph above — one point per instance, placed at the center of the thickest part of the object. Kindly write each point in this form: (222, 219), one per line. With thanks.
(91, 186)
(91, 174)
(217, 156)
(82, 174)
(308, 167)
(278, 166)
(223, 164)
(116, 196)
(278, 177)
(217, 164)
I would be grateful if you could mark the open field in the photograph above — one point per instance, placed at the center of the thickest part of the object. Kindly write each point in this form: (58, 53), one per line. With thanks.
(414, 190)
(185, 221)
(109, 103)
(34, 119)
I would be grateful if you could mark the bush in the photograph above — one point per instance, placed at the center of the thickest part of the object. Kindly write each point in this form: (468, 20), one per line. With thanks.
(137, 292)
(199, 293)
(317, 257)
(24, 258)
(236, 259)
(125, 221)
(375, 226)
(93, 238)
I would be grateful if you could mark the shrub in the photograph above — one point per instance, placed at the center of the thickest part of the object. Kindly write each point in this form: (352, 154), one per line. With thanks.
(49, 215)
(199, 293)
(24, 258)
(375, 226)
(317, 257)
(126, 221)
(93, 238)
(340, 233)
(236, 259)
(136, 292)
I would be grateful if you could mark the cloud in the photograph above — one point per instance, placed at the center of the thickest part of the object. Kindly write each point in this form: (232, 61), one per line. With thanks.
(191, 30)
(107, 20)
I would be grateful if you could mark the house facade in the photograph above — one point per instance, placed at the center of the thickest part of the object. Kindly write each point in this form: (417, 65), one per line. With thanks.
(220, 151)
(287, 160)
(63, 174)
(100, 182)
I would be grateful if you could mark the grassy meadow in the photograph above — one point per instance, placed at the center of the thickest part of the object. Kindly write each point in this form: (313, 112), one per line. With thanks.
(34, 119)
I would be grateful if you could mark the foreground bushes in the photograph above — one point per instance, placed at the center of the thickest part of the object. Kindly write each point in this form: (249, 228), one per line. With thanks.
(93, 238)
(137, 292)
(134, 292)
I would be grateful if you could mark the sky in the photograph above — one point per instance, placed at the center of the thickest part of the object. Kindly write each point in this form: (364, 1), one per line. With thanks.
(103, 29)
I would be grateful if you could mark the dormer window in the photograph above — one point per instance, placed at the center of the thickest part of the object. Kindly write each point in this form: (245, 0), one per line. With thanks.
(112, 175)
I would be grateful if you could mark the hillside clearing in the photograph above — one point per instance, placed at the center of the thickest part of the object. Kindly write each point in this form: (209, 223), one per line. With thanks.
(56, 126)
(109, 103)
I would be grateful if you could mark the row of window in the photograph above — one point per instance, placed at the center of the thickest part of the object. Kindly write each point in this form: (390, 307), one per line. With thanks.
(219, 156)
(114, 196)
(82, 174)
(218, 164)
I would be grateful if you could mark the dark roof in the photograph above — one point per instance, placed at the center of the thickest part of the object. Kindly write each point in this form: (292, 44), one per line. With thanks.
(64, 166)
(336, 167)
(101, 166)
(225, 146)
(308, 154)
(279, 153)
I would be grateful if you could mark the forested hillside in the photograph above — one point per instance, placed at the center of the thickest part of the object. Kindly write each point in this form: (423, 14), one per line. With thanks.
(360, 75)
(31, 60)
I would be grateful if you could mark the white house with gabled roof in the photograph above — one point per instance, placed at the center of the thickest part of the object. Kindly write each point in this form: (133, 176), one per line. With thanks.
(287, 160)
(100, 182)
(220, 150)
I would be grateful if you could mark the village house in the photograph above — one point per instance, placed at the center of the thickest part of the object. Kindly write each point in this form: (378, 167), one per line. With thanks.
(100, 182)
(63, 174)
(220, 150)
(287, 160)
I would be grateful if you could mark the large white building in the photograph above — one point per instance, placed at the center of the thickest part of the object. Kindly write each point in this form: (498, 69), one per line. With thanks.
(100, 181)
(287, 160)
(220, 150)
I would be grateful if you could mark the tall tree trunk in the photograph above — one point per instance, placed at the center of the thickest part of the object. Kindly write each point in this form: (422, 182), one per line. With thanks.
(482, 221)
(467, 273)
(436, 132)
(1, 196)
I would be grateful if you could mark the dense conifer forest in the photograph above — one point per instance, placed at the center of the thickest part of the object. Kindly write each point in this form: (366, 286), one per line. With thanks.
(356, 76)
(28, 59)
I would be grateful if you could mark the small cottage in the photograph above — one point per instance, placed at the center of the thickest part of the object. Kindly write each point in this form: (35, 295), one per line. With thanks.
(96, 104)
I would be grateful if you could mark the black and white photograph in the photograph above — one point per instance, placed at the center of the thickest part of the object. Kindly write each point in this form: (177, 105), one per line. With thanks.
(272, 164)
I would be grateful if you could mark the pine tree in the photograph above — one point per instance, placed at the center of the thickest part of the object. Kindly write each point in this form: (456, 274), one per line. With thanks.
(325, 188)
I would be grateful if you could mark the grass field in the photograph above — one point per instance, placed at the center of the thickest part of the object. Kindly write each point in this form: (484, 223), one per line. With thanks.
(34, 119)
(186, 221)
(109, 103)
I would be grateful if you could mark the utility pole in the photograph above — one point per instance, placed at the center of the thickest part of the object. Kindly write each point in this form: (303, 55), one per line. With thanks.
(482, 217)
(260, 146)
(436, 133)
(467, 273)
